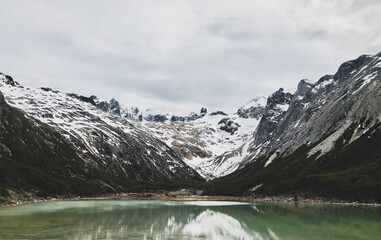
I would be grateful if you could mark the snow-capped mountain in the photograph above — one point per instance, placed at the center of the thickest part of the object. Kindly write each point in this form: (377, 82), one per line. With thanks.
(212, 143)
(323, 140)
(36, 161)
(325, 108)
(120, 145)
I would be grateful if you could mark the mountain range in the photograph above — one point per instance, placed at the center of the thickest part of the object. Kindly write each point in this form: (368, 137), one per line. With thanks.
(321, 141)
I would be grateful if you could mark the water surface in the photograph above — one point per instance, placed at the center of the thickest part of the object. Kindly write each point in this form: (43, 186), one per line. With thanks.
(106, 219)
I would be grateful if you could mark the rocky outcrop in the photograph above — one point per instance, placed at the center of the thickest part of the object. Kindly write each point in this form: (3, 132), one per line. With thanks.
(251, 112)
(347, 68)
(77, 96)
(218, 113)
(114, 107)
(2, 100)
(9, 80)
(188, 151)
(228, 125)
(155, 118)
(253, 109)
(177, 118)
(273, 113)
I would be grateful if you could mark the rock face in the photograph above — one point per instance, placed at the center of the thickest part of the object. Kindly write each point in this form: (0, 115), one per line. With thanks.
(9, 80)
(253, 109)
(277, 105)
(114, 107)
(177, 118)
(73, 95)
(156, 118)
(347, 68)
(228, 125)
(218, 113)
(2, 100)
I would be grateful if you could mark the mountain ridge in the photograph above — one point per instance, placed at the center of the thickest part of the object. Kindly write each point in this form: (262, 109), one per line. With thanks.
(250, 151)
(326, 121)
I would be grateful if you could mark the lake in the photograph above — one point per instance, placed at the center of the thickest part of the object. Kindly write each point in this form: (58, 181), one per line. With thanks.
(140, 219)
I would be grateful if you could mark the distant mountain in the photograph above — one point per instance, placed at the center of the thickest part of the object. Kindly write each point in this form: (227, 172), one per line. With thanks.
(326, 143)
(214, 144)
(211, 143)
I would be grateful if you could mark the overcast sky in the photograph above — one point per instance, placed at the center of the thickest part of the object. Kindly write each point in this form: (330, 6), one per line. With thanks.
(181, 55)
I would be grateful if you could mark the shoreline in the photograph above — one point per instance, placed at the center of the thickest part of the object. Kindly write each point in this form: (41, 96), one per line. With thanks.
(169, 197)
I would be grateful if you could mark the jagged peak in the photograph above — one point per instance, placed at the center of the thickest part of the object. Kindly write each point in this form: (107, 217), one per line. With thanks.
(324, 78)
(346, 68)
(258, 101)
(279, 97)
(8, 80)
(254, 108)
(47, 89)
(303, 88)
(82, 98)
(306, 81)
(93, 97)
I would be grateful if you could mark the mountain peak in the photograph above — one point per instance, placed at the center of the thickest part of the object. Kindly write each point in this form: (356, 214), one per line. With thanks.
(279, 97)
(346, 68)
(253, 109)
(304, 86)
(8, 80)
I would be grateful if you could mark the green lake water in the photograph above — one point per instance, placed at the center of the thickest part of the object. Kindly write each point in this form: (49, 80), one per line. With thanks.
(106, 219)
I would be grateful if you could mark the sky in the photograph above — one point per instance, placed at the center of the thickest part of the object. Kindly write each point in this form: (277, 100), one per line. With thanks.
(181, 55)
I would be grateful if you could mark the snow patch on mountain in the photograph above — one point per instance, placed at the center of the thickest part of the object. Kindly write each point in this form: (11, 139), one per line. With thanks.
(204, 145)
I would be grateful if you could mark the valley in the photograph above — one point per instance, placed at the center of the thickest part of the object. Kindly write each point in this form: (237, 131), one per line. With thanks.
(321, 141)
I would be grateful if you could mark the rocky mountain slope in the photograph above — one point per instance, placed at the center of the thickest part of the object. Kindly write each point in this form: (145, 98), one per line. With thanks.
(119, 146)
(326, 141)
(35, 160)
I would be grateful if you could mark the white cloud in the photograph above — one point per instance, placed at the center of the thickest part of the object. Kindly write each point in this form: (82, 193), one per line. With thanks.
(180, 55)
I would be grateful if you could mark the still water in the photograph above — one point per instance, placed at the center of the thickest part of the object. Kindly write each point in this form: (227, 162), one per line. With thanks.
(106, 219)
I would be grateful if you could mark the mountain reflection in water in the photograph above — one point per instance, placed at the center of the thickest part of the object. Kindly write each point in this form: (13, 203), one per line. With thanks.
(187, 220)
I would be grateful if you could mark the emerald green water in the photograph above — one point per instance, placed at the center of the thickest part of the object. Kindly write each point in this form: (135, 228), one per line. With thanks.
(106, 219)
